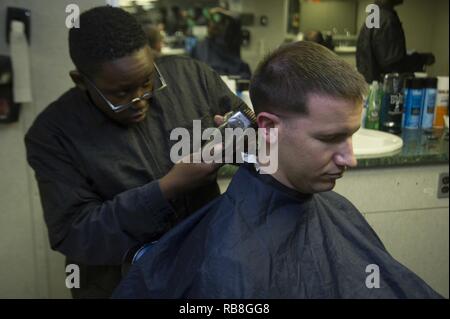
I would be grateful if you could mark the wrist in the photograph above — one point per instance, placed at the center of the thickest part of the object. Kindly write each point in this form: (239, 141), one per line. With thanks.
(168, 187)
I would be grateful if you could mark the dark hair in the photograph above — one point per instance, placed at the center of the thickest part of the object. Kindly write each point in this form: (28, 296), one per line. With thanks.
(285, 78)
(105, 34)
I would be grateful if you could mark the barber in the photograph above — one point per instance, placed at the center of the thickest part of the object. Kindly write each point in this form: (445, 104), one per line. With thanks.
(101, 151)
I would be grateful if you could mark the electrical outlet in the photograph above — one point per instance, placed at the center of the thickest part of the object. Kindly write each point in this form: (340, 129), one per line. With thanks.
(443, 185)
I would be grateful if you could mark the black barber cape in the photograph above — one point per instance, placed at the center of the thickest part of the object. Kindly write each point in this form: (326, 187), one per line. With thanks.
(263, 240)
(98, 180)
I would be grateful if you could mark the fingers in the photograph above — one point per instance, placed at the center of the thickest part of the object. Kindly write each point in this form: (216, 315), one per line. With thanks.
(215, 156)
(218, 120)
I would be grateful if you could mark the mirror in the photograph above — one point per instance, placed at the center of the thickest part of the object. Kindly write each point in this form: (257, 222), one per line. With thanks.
(425, 25)
(336, 16)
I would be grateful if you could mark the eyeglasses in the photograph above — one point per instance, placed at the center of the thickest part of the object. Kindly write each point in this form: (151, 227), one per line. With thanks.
(145, 96)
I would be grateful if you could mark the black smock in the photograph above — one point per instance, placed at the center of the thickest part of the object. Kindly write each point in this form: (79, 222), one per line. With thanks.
(98, 180)
(264, 240)
(383, 50)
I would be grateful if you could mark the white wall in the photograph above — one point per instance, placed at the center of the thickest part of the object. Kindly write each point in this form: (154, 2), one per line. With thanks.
(28, 268)
(264, 38)
(440, 36)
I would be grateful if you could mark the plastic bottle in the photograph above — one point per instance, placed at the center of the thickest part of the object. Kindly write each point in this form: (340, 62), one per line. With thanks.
(407, 83)
(429, 102)
(373, 107)
(364, 112)
(441, 108)
(392, 104)
(413, 103)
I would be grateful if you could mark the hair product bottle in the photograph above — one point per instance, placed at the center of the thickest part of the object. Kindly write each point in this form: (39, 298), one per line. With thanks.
(441, 108)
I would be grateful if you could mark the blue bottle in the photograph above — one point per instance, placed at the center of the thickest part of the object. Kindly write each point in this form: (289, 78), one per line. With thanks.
(414, 93)
(429, 102)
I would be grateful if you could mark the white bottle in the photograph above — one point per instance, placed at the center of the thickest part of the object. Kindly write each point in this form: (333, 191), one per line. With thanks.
(441, 108)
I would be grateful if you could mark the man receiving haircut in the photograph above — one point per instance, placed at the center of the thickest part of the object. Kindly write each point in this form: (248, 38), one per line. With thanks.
(286, 234)
(101, 151)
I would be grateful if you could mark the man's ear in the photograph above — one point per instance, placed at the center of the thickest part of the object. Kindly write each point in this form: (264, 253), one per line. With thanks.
(268, 122)
(77, 78)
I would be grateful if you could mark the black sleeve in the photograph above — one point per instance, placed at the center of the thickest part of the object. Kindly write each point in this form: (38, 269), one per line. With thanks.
(411, 63)
(81, 225)
(388, 43)
(389, 46)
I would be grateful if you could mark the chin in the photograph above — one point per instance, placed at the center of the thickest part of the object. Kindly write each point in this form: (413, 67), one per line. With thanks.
(132, 121)
(324, 187)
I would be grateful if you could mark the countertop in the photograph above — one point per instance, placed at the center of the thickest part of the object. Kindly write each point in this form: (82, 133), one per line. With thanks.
(419, 148)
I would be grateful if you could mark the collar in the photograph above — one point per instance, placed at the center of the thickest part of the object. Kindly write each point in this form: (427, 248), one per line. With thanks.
(248, 170)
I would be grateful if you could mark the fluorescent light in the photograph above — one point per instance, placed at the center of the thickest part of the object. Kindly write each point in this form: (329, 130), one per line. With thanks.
(126, 3)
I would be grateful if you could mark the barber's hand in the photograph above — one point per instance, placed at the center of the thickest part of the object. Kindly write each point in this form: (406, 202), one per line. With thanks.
(185, 177)
(218, 120)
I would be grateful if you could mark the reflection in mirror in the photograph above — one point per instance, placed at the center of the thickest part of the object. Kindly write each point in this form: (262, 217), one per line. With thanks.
(337, 16)
(426, 26)
(207, 30)
(293, 23)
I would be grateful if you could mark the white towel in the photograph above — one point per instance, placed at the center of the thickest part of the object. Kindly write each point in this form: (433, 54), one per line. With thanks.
(20, 63)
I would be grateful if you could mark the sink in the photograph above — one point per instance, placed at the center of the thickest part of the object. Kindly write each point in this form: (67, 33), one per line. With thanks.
(345, 49)
(371, 143)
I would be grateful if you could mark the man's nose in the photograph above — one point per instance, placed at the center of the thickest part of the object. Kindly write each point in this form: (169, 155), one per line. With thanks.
(345, 157)
(141, 103)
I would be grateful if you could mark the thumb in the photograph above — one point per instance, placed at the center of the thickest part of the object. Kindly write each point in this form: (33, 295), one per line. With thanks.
(218, 120)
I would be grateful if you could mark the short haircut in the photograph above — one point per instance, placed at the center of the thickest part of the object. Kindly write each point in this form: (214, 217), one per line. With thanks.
(105, 34)
(284, 80)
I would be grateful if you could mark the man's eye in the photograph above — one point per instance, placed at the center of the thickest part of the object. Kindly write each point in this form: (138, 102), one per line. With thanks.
(332, 139)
